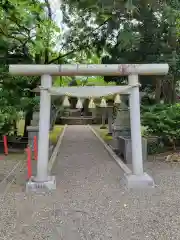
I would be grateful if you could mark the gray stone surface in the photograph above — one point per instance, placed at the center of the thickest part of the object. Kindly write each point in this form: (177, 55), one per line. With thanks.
(121, 124)
(110, 118)
(90, 203)
(138, 181)
(32, 132)
(125, 149)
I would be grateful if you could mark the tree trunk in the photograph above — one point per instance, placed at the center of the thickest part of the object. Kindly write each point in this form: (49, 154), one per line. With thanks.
(173, 98)
(158, 91)
(169, 90)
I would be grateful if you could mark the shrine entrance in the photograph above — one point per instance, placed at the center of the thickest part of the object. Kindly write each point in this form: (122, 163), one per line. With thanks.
(138, 177)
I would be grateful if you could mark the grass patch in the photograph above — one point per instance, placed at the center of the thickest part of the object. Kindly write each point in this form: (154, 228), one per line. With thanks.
(20, 127)
(103, 133)
(55, 133)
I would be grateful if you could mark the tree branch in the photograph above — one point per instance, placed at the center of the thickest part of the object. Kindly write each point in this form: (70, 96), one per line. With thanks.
(10, 36)
(80, 47)
(46, 52)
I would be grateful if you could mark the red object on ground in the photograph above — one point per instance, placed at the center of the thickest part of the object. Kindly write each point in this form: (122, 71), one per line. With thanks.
(29, 165)
(35, 148)
(5, 145)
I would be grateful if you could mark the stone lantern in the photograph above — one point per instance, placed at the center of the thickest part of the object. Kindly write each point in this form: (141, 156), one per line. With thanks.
(121, 124)
(122, 131)
(33, 129)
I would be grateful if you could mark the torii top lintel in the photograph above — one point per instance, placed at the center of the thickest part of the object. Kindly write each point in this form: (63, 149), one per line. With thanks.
(88, 69)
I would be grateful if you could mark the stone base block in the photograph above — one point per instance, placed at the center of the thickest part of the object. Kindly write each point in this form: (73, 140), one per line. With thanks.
(125, 148)
(138, 181)
(33, 186)
(119, 132)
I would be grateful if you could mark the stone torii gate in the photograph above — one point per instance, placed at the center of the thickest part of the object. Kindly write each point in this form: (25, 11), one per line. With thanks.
(138, 177)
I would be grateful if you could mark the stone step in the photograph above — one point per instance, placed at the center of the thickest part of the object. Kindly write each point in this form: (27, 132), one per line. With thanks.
(76, 120)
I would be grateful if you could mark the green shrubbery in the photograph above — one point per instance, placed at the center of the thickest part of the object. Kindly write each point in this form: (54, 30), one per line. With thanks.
(8, 121)
(163, 121)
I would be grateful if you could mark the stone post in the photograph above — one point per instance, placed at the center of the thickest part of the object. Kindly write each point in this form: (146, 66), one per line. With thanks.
(110, 116)
(136, 139)
(138, 178)
(42, 180)
(103, 112)
(33, 130)
(121, 125)
(44, 125)
(110, 120)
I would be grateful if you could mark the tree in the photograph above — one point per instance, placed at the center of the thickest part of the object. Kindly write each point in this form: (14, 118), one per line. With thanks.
(129, 32)
(28, 35)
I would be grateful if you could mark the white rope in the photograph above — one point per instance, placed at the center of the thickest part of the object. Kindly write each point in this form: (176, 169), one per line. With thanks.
(44, 89)
(90, 91)
(135, 85)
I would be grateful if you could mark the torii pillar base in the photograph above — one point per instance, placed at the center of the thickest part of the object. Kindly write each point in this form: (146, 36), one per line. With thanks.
(34, 186)
(138, 181)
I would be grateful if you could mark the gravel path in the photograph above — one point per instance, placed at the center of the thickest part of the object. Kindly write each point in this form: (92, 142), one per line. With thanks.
(90, 203)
